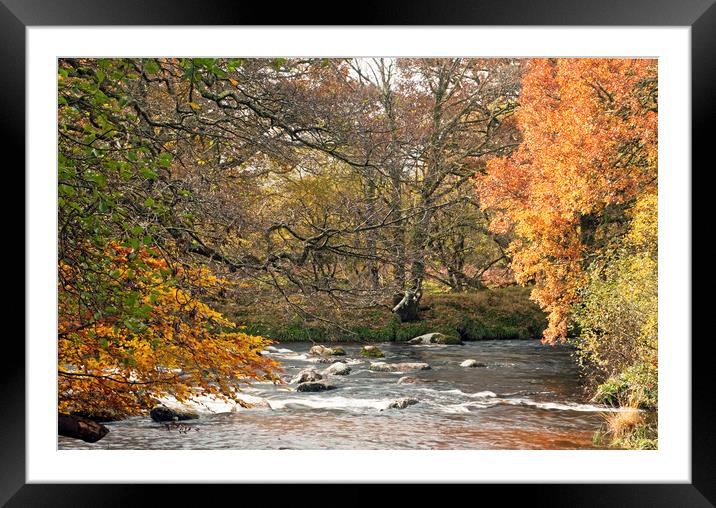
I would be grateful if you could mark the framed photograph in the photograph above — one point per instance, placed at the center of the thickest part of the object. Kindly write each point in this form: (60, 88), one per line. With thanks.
(431, 246)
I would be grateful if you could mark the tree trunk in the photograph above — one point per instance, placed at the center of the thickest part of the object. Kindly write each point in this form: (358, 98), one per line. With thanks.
(372, 236)
(395, 163)
(420, 246)
(398, 231)
(407, 306)
(80, 428)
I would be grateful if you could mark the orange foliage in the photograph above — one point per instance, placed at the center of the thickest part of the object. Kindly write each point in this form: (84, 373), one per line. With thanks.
(589, 130)
(170, 345)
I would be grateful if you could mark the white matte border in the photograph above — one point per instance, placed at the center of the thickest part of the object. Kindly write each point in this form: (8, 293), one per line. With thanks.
(671, 463)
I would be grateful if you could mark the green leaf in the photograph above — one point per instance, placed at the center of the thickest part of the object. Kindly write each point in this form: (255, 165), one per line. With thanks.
(65, 190)
(151, 67)
(148, 173)
(164, 159)
(97, 178)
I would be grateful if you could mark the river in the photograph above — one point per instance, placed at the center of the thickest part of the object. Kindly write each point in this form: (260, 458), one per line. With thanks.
(526, 397)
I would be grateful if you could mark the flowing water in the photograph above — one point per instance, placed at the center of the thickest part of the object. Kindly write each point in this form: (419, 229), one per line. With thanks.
(526, 397)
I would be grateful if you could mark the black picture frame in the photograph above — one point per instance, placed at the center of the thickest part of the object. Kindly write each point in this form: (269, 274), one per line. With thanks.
(16, 15)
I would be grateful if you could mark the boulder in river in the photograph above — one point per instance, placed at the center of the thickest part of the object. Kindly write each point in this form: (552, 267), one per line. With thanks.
(248, 401)
(402, 403)
(371, 352)
(435, 338)
(337, 369)
(317, 386)
(164, 414)
(472, 363)
(319, 350)
(80, 428)
(398, 367)
(260, 404)
(326, 359)
(306, 375)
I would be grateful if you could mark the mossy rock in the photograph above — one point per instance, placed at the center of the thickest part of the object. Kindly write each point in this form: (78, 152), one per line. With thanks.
(448, 339)
(371, 352)
(319, 350)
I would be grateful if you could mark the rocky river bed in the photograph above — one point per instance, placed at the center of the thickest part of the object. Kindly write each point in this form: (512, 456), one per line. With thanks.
(513, 395)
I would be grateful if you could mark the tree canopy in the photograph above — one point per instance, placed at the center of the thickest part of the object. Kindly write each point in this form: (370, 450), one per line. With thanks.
(319, 187)
(589, 151)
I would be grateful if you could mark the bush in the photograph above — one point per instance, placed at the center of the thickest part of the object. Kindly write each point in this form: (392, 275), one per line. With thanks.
(636, 387)
(617, 321)
(616, 328)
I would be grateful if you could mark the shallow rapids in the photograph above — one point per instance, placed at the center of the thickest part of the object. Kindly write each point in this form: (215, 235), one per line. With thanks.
(527, 396)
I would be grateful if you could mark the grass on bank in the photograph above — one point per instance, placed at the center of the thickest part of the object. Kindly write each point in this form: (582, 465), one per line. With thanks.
(632, 429)
(635, 428)
(502, 313)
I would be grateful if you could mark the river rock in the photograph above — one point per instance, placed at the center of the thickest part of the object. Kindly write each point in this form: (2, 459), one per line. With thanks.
(326, 359)
(402, 403)
(306, 375)
(371, 352)
(398, 367)
(319, 350)
(261, 404)
(80, 428)
(337, 369)
(317, 386)
(435, 338)
(165, 414)
(248, 401)
(408, 380)
(472, 363)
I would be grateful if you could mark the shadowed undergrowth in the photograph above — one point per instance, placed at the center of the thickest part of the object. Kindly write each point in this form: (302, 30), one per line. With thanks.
(504, 313)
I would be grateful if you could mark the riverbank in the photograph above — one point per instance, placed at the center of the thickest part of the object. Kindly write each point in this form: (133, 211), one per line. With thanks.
(490, 314)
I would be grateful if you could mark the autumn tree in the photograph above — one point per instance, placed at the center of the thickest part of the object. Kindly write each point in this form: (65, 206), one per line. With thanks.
(589, 150)
(133, 324)
(411, 134)
(148, 339)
